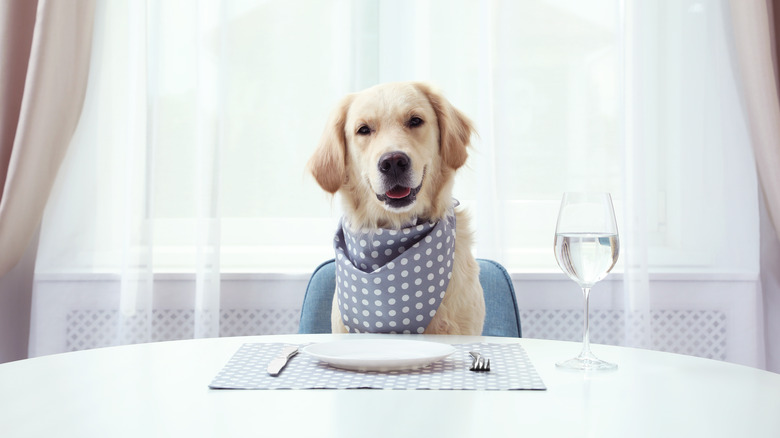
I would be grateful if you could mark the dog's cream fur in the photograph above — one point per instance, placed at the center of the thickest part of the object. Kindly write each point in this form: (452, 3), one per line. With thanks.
(414, 119)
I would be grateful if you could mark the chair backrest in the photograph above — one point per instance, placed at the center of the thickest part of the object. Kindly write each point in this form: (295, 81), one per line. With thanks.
(502, 317)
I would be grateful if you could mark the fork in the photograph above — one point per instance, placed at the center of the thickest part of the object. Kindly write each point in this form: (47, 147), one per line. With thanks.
(480, 363)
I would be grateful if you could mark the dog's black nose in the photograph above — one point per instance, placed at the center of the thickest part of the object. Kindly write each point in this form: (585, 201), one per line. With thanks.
(394, 163)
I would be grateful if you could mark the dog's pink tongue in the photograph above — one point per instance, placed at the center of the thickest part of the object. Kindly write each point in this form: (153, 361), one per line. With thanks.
(398, 192)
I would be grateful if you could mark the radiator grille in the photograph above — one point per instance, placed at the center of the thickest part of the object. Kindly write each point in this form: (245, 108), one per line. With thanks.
(700, 333)
(93, 328)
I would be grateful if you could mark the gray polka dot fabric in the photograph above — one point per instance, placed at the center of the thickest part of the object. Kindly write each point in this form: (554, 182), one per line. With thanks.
(392, 281)
(510, 369)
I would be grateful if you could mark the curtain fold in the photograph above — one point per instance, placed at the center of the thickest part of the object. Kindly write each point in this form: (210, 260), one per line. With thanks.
(53, 92)
(637, 322)
(17, 23)
(44, 56)
(755, 25)
(487, 210)
(753, 40)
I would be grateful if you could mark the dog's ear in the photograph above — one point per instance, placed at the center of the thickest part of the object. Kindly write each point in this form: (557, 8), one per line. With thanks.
(328, 165)
(455, 128)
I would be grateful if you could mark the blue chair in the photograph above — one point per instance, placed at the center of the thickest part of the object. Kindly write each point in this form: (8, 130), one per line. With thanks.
(501, 314)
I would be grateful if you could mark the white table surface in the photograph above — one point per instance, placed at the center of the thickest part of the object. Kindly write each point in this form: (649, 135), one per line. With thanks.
(161, 389)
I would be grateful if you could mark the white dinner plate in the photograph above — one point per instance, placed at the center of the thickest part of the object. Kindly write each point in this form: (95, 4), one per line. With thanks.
(379, 354)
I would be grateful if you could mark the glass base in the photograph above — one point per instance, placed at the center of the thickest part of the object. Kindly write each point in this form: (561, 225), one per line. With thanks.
(587, 364)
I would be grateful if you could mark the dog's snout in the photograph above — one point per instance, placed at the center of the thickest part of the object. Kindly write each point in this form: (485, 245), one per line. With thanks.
(394, 163)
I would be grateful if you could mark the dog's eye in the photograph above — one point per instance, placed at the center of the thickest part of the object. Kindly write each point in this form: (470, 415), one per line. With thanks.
(364, 130)
(414, 122)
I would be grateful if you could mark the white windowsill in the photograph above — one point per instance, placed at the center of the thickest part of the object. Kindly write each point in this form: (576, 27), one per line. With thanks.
(300, 276)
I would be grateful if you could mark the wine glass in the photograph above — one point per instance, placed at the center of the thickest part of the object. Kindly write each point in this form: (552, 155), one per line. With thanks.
(586, 248)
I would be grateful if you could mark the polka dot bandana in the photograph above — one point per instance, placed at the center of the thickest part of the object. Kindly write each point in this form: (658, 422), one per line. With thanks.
(392, 281)
(510, 369)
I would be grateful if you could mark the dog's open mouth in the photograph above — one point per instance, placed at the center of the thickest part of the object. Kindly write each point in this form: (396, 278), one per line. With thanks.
(399, 192)
(400, 196)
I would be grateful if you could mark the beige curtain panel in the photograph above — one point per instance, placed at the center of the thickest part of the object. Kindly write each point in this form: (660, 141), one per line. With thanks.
(44, 55)
(754, 40)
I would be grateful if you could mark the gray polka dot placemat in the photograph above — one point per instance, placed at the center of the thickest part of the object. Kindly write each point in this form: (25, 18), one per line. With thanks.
(510, 369)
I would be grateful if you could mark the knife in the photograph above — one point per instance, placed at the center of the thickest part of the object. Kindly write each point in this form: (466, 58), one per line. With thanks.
(277, 363)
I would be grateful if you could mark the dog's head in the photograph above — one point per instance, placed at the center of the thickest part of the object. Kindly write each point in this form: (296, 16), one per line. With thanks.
(392, 151)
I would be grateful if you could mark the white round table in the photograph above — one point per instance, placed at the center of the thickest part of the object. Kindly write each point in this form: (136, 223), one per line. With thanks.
(161, 389)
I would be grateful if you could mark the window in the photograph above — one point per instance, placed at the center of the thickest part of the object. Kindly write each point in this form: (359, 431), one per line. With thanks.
(199, 122)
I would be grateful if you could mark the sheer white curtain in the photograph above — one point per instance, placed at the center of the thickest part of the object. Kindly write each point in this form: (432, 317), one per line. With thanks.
(188, 164)
(107, 221)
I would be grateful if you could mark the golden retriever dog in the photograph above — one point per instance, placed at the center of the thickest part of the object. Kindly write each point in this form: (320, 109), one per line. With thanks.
(392, 151)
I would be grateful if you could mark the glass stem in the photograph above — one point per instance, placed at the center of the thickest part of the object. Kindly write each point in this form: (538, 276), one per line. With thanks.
(586, 325)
